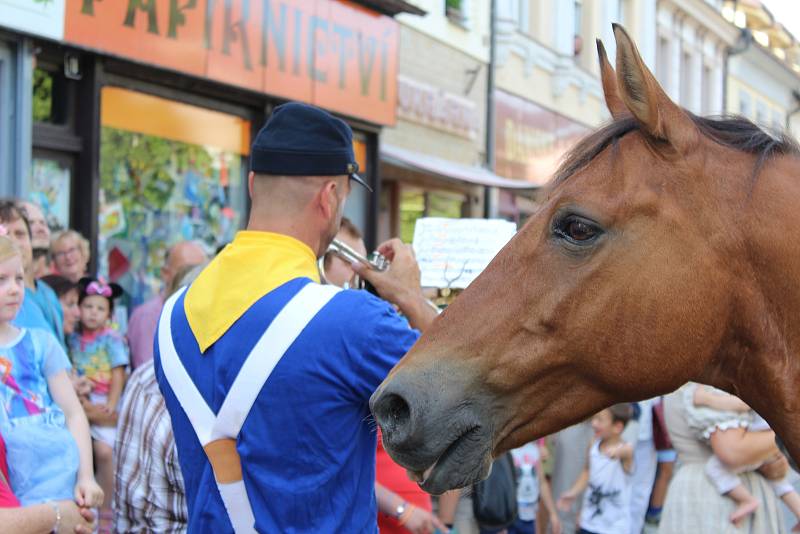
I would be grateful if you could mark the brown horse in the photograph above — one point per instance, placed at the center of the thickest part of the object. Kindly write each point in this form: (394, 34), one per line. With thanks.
(665, 251)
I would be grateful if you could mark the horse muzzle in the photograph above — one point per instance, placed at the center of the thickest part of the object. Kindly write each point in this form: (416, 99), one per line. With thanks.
(434, 429)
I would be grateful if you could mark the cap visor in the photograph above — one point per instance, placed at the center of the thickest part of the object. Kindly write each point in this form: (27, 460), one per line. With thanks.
(360, 180)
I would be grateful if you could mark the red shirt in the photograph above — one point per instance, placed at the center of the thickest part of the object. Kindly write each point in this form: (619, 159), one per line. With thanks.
(395, 478)
(7, 498)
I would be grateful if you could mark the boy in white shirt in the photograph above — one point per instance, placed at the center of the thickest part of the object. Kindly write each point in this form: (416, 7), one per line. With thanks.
(606, 503)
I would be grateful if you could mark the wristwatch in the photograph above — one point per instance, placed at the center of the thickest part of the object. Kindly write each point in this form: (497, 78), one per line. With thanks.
(400, 510)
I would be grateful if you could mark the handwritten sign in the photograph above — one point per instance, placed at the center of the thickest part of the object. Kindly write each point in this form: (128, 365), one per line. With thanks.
(453, 252)
(334, 54)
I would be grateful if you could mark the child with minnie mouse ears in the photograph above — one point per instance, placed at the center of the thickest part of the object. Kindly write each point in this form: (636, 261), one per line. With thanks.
(100, 354)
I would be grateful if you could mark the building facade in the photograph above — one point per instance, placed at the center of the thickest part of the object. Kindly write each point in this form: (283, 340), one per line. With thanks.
(763, 82)
(433, 160)
(134, 119)
(547, 93)
(692, 43)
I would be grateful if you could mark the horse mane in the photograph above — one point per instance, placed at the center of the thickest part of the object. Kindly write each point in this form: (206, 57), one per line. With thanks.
(731, 131)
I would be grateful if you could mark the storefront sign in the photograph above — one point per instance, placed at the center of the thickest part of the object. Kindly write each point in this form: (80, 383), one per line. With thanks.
(431, 106)
(529, 139)
(331, 53)
(44, 18)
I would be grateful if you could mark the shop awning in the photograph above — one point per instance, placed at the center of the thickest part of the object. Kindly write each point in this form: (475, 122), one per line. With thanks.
(448, 170)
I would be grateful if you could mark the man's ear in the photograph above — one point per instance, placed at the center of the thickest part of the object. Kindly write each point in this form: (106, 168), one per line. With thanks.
(326, 198)
(250, 178)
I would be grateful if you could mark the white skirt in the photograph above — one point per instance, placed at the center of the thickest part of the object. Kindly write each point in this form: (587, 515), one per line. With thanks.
(694, 506)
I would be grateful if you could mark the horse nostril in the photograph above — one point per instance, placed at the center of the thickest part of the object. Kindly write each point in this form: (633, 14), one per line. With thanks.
(393, 415)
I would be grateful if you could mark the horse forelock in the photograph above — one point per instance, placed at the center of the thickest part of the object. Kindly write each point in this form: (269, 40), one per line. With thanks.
(734, 132)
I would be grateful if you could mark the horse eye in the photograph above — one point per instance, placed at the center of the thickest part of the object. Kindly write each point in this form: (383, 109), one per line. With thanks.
(577, 230)
(580, 231)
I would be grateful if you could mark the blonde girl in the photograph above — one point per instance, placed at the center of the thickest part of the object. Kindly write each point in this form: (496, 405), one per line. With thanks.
(41, 419)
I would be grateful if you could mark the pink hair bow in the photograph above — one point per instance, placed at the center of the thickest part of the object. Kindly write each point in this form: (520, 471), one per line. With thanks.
(3, 230)
(98, 288)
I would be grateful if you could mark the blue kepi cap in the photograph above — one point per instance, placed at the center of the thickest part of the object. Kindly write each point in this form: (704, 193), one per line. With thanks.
(304, 140)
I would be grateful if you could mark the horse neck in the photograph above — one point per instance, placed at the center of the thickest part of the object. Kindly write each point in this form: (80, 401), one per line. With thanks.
(760, 358)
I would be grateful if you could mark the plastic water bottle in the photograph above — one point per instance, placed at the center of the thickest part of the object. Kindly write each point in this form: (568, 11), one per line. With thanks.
(527, 493)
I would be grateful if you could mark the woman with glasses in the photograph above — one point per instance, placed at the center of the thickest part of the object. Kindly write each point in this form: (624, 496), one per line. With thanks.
(71, 255)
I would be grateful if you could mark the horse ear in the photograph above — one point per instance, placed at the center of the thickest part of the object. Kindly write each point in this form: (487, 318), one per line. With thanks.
(646, 100)
(610, 90)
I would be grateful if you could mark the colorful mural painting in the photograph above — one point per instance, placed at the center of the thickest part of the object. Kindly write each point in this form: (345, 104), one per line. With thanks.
(156, 190)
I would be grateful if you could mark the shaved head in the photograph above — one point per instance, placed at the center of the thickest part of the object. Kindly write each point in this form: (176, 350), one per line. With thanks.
(308, 206)
(283, 195)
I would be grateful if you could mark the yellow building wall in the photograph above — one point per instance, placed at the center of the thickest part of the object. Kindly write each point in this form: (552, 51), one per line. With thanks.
(537, 87)
(471, 38)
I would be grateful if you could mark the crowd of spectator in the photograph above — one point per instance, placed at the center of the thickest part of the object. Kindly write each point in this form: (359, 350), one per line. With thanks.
(87, 443)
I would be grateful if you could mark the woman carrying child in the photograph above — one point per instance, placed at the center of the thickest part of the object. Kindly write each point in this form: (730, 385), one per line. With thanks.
(100, 354)
(45, 430)
(710, 409)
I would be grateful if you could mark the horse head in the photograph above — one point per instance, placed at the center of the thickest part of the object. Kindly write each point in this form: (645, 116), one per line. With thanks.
(641, 270)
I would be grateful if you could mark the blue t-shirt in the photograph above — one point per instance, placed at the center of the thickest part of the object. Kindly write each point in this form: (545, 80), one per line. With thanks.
(307, 447)
(32, 315)
(25, 365)
(43, 455)
(48, 302)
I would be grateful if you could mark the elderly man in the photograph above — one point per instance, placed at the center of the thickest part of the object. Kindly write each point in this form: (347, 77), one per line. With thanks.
(40, 239)
(143, 321)
(286, 363)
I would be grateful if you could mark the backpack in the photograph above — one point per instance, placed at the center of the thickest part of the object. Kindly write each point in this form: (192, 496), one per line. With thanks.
(494, 500)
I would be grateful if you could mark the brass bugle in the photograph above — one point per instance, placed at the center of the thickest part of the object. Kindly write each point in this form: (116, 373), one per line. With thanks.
(378, 262)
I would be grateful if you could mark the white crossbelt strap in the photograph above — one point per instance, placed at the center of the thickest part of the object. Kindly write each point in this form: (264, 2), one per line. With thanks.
(217, 434)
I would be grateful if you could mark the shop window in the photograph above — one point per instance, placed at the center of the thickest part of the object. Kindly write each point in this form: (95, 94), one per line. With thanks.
(706, 93)
(49, 96)
(687, 80)
(622, 12)
(42, 96)
(578, 27)
(745, 107)
(412, 207)
(168, 171)
(457, 11)
(56, 145)
(761, 113)
(663, 62)
(524, 16)
(777, 120)
(50, 186)
(416, 203)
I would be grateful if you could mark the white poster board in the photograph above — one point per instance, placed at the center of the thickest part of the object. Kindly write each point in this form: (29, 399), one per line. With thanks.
(36, 17)
(453, 252)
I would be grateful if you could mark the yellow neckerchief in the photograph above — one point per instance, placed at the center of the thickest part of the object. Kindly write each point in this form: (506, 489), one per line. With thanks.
(251, 266)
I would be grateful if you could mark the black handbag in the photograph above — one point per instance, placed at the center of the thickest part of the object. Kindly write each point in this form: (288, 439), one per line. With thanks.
(494, 500)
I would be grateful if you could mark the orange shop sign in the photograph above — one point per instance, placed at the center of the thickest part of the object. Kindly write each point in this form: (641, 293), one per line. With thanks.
(331, 53)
